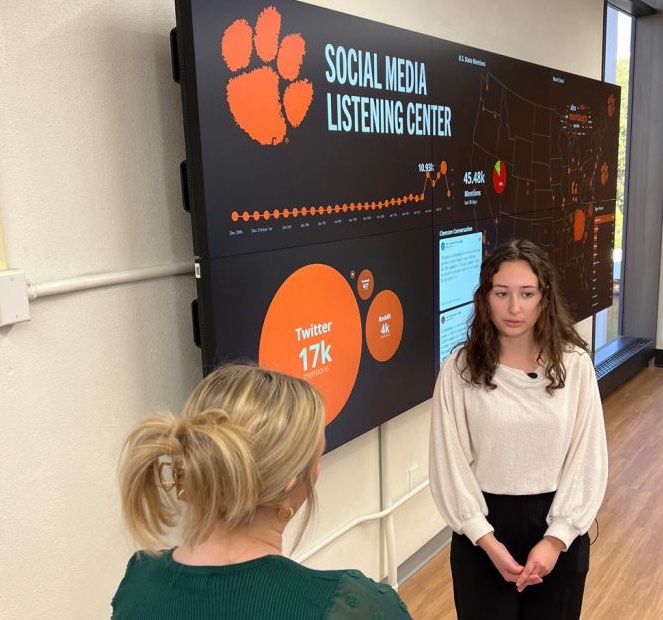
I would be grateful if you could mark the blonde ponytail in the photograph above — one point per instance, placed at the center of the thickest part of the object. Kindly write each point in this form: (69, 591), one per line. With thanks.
(244, 434)
(220, 479)
(146, 509)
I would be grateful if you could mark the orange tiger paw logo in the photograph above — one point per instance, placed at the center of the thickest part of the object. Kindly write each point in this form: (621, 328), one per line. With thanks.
(254, 96)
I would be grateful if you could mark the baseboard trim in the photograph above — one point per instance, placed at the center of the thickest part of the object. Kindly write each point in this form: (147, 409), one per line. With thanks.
(421, 557)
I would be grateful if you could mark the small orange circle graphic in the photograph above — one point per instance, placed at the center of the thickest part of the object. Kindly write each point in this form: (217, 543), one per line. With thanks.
(312, 330)
(384, 326)
(365, 284)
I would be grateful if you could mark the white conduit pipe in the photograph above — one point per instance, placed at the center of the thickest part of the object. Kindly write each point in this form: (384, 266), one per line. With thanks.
(392, 562)
(81, 283)
(358, 521)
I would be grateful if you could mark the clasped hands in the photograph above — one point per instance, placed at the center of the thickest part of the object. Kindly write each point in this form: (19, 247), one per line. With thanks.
(540, 561)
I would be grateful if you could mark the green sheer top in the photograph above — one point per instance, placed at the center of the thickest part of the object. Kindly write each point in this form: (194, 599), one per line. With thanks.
(268, 588)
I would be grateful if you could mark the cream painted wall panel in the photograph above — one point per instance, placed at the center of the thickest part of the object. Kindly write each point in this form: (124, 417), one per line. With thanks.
(72, 381)
(405, 466)
(659, 325)
(563, 34)
(348, 487)
(91, 136)
(416, 523)
(402, 460)
(359, 548)
(585, 329)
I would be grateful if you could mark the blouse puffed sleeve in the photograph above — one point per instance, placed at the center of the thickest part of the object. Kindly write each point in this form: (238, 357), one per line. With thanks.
(584, 474)
(452, 482)
(360, 598)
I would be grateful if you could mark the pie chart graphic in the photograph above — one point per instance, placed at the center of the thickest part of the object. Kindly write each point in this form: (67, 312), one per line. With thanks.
(499, 176)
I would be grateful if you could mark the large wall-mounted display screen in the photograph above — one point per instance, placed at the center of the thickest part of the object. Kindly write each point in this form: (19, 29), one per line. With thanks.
(346, 178)
(353, 317)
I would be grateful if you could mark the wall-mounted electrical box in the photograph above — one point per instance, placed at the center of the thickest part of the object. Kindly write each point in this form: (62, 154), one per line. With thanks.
(14, 306)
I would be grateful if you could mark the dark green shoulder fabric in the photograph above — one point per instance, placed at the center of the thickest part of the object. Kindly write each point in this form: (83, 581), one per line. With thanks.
(268, 588)
(360, 598)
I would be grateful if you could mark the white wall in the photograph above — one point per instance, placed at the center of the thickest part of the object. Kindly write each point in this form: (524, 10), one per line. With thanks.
(659, 326)
(90, 142)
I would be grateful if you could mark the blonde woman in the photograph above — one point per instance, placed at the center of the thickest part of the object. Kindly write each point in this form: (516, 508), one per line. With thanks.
(230, 473)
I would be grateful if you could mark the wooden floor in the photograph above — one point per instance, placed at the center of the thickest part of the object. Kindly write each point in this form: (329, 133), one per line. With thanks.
(625, 580)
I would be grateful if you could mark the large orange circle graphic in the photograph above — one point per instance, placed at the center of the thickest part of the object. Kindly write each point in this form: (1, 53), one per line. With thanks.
(312, 330)
(384, 326)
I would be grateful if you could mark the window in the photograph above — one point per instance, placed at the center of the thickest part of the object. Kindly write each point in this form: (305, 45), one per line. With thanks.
(617, 63)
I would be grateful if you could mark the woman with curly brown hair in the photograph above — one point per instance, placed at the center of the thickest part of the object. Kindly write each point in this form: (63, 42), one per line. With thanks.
(518, 459)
